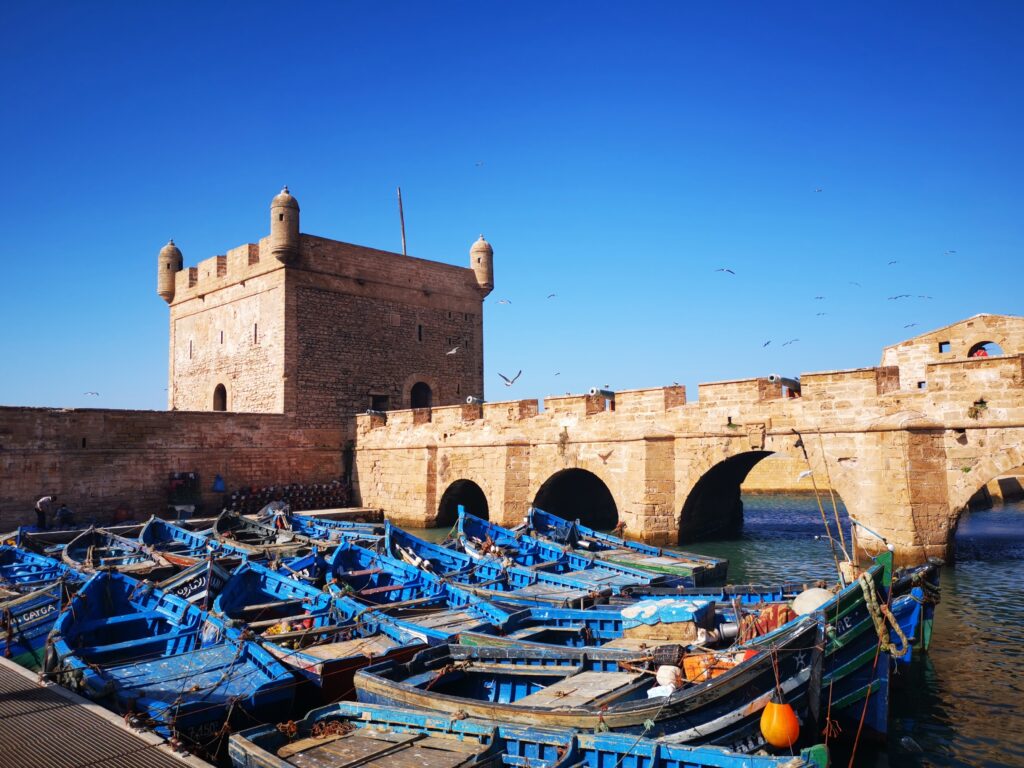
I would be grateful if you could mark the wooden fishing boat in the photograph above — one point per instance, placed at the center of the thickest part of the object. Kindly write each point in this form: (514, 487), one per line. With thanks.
(23, 571)
(489, 578)
(143, 653)
(325, 638)
(596, 690)
(364, 735)
(181, 547)
(325, 529)
(678, 567)
(97, 548)
(260, 540)
(27, 618)
(482, 539)
(200, 584)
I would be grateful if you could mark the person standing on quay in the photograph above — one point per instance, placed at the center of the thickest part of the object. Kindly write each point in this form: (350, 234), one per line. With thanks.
(43, 508)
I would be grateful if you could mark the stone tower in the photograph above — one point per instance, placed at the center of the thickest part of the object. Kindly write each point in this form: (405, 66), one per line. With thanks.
(168, 265)
(481, 260)
(322, 330)
(284, 227)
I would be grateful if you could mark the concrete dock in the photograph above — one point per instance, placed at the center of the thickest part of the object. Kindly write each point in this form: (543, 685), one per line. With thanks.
(46, 726)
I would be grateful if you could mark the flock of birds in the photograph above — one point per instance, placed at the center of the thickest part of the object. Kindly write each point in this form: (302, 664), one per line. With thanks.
(896, 297)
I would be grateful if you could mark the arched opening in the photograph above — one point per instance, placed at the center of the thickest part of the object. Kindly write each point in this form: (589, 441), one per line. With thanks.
(985, 349)
(420, 395)
(990, 527)
(220, 398)
(576, 494)
(714, 508)
(465, 492)
(1005, 488)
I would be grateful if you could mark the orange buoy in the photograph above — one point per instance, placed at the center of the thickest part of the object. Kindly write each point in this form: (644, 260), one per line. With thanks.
(779, 724)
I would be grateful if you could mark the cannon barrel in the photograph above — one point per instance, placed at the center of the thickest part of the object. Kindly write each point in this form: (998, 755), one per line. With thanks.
(474, 400)
(791, 384)
(607, 393)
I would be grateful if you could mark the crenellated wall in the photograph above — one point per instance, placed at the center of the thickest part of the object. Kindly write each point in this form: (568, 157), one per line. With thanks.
(904, 462)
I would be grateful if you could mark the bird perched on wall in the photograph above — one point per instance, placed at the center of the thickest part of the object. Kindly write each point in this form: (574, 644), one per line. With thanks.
(725, 269)
(453, 350)
(509, 382)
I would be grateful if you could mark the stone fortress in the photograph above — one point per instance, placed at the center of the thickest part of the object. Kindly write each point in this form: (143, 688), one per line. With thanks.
(303, 359)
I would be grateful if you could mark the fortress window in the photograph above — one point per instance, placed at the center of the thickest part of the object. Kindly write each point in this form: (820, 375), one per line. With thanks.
(378, 402)
(255, 333)
(944, 347)
(190, 349)
(220, 398)
(420, 395)
(222, 337)
(922, 385)
(419, 333)
(280, 217)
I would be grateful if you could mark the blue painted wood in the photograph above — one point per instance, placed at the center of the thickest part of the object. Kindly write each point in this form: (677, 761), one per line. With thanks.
(484, 742)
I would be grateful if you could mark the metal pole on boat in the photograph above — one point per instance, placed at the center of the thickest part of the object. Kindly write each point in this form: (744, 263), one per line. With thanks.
(821, 509)
(401, 219)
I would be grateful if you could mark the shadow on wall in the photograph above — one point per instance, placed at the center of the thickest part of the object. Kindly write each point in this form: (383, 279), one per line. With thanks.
(465, 492)
(576, 494)
(714, 508)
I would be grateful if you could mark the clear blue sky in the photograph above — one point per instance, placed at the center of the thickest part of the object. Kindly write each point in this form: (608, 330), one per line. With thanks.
(628, 150)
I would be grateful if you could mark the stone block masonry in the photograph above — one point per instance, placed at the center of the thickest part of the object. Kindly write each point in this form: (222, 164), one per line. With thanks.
(96, 459)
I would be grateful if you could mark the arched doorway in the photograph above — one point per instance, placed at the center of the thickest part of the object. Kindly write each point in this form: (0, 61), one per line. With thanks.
(714, 507)
(577, 494)
(465, 492)
(420, 395)
(985, 349)
(220, 398)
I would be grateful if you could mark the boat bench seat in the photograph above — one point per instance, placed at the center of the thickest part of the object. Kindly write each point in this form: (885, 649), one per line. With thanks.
(106, 621)
(138, 644)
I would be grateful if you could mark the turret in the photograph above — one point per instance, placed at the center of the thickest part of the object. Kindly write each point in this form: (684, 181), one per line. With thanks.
(284, 227)
(481, 260)
(168, 266)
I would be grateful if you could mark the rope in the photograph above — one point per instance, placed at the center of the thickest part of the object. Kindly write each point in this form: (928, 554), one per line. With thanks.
(880, 616)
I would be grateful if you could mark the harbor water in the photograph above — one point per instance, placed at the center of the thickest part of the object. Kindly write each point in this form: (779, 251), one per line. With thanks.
(963, 703)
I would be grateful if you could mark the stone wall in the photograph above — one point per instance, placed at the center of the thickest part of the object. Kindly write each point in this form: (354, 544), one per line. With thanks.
(95, 459)
(953, 342)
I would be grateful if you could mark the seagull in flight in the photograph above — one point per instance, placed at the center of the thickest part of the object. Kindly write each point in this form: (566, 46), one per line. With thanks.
(766, 343)
(923, 297)
(552, 295)
(818, 298)
(479, 163)
(899, 296)
(950, 253)
(791, 341)
(821, 314)
(504, 301)
(604, 456)
(852, 282)
(910, 325)
(818, 189)
(725, 269)
(94, 394)
(509, 382)
(453, 350)
(894, 261)
(558, 373)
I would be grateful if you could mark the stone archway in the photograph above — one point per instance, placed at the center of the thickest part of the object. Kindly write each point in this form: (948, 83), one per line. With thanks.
(576, 494)
(465, 493)
(714, 508)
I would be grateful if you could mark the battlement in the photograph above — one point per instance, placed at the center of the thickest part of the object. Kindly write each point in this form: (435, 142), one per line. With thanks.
(217, 272)
(857, 384)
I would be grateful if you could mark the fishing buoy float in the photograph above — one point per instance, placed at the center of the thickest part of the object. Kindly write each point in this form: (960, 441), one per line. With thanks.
(779, 724)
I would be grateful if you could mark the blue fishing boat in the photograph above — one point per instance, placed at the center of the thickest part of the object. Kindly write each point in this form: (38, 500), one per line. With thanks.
(325, 529)
(24, 571)
(200, 584)
(599, 690)
(96, 548)
(364, 735)
(679, 567)
(260, 540)
(182, 547)
(489, 578)
(144, 653)
(482, 539)
(26, 619)
(325, 638)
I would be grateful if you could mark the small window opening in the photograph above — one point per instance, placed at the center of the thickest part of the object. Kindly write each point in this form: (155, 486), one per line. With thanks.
(458, 388)
(378, 402)
(167, 266)
(190, 349)
(83, 442)
(222, 337)
(922, 385)
(220, 398)
(255, 333)
(280, 217)
(419, 332)
(943, 347)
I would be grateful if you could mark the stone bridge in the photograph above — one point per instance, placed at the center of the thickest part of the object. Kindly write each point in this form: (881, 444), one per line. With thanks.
(904, 459)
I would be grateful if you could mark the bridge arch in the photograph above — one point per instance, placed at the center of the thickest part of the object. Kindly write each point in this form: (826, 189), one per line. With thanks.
(465, 492)
(713, 508)
(977, 477)
(578, 494)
